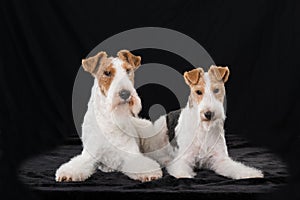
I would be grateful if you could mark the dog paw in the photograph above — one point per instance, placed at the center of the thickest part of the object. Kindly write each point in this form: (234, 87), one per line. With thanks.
(145, 177)
(67, 173)
(250, 173)
(106, 169)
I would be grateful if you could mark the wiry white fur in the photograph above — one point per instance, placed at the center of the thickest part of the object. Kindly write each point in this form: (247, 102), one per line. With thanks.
(110, 141)
(154, 140)
(200, 143)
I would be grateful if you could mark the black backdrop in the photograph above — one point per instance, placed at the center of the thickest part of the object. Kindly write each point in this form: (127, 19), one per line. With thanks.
(43, 42)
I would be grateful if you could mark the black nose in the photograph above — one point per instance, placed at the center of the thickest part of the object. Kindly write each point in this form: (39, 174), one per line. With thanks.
(124, 94)
(209, 115)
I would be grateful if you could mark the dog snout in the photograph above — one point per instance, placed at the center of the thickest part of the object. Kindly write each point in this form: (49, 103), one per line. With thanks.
(124, 94)
(209, 115)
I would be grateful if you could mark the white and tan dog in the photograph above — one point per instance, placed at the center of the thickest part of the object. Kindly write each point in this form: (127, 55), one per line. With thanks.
(194, 136)
(110, 141)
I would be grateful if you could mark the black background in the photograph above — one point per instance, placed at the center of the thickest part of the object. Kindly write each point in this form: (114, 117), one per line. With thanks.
(43, 42)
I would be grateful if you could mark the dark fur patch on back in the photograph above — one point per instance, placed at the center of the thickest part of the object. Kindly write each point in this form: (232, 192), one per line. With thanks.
(172, 121)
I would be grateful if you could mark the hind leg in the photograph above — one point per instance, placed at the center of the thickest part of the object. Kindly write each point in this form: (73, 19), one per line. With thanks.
(105, 168)
(142, 168)
(181, 169)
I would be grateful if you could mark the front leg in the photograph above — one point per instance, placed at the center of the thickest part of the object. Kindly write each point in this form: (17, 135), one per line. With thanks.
(139, 167)
(78, 168)
(232, 169)
(222, 164)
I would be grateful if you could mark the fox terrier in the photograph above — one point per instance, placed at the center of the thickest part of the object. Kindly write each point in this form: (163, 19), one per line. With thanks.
(194, 136)
(110, 140)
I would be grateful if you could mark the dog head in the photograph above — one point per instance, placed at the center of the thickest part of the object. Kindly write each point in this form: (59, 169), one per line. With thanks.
(115, 77)
(207, 92)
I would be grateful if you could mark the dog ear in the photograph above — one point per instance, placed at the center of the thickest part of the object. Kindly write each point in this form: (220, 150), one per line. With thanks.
(127, 56)
(92, 64)
(192, 77)
(221, 73)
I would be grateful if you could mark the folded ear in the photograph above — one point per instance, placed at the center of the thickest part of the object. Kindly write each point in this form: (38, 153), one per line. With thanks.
(127, 56)
(221, 73)
(192, 77)
(92, 64)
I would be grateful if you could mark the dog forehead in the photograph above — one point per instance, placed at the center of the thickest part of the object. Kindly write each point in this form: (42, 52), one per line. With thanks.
(203, 82)
(207, 79)
(104, 65)
(211, 81)
(118, 63)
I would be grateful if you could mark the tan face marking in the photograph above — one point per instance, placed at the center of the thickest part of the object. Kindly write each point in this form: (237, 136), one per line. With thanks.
(129, 70)
(198, 91)
(218, 76)
(130, 63)
(217, 88)
(102, 67)
(105, 76)
(195, 80)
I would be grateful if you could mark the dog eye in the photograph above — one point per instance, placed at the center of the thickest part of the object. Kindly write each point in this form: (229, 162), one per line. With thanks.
(199, 92)
(107, 73)
(128, 71)
(216, 90)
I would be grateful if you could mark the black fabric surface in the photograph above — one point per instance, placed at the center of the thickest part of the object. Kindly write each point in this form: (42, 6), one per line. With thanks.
(38, 173)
